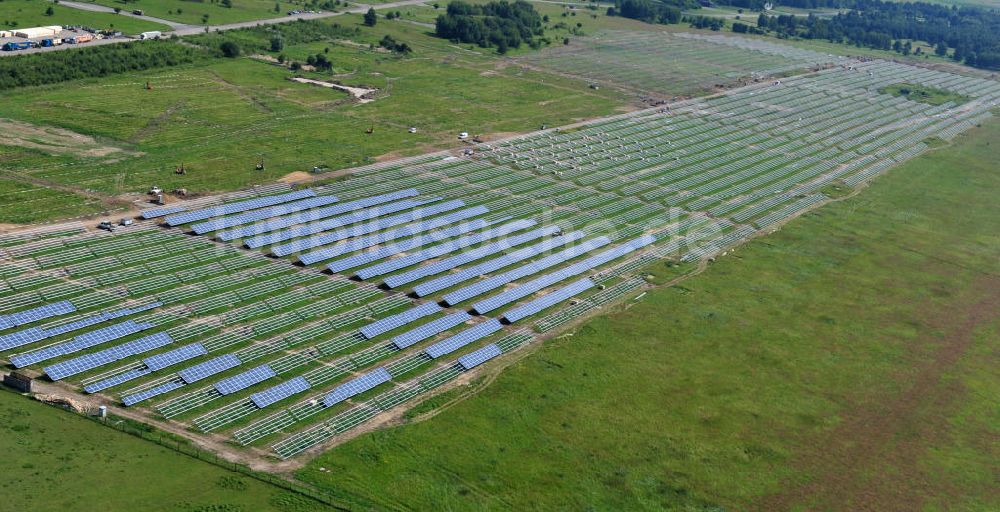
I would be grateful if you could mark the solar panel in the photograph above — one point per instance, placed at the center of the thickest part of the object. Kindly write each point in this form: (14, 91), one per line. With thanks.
(548, 300)
(542, 282)
(430, 329)
(447, 281)
(499, 280)
(241, 206)
(442, 249)
(388, 250)
(22, 337)
(357, 386)
(211, 367)
(167, 387)
(245, 379)
(73, 326)
(333, 223)
(279, 392)
(160, 212)
(86, 362)
(453, 343)
(115, 380)
(264, 213)
(79, 343)
(377, 224)
(320, 213)
(392, 322)
(177, 355)
(474, 359)
(402, 232)
(35, 314)
(118, 313)
(467, 256)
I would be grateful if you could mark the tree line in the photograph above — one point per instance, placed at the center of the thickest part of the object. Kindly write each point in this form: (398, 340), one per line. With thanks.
(95, 61)
(499, 24)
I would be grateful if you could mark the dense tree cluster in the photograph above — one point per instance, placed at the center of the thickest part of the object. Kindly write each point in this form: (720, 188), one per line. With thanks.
(973, 33)
(274, 38)
(708, 22)
(390, 43)
(651, 11)
(94, 61)
(501, 24)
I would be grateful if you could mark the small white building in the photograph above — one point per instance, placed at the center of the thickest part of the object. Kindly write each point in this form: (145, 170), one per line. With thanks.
(37, 32)
(155, 34)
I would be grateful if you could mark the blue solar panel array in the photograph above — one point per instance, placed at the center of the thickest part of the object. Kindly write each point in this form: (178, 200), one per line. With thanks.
(279, 392)
(406, 245)
(115, 380)
(447, 281)
(453, 343)
(80, 342)
(548, 300)
(166, 387)
(160, 212)
(499, 280)
(177, 355)
(333, 222)
(242, 206)
(264, 213)
(442, 249)
(467, 256)
(34, 334)
(36, 314)
(542, 282)
(392, 322)
(320, 213)
(244, 380)
(430, 329)
(377, 224)
(408, 230)
(478, 357)
(86, 362)
(357, 386)
(211, 367)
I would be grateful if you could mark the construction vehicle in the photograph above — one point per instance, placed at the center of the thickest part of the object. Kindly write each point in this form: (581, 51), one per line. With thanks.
(370, 130)
(260, 164)
(106, 225)
(159, 199)
(126, 221)
(154, 190)
(463, 135)
(180, 192)
(477, 138)
(137, 12)
(180, 170)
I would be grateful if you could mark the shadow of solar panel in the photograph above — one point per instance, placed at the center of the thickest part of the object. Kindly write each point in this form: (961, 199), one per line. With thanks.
(430, 329)
(177, 355)
(211, 367)
(317, 214)
(449, 345)
(447, 281)
(405, 231)
(357, 386)
(244, 380)
(442, 249)
(478, 357)
(279, 392)
(229, 208)
(392, 322)
(547, 301)
(166, 387)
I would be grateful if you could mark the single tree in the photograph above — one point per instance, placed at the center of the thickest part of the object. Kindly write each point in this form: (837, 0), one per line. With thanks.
(50, 11)
(371, 17)
(230, 49)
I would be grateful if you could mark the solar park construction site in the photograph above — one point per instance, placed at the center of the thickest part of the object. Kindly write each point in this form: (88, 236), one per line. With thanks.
(282, 319)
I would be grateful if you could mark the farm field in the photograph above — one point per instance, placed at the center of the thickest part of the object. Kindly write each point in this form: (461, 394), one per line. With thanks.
(60, 462)
(194, 13)
(849, 356)
(31, 13)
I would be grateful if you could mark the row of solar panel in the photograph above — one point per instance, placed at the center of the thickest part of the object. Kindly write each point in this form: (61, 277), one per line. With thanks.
(448, 247)
(403, 232)
(357, 386)
(152, 363)
(35, 314)
(86, 362)
(80, 342)
(301, 230)
(406, 245)
(264, 213)
(241, 206)
(320, 213)
(447, 281)
(377, 224)
(547, 301)
(398, 320)
(35, 334)
(160, 212)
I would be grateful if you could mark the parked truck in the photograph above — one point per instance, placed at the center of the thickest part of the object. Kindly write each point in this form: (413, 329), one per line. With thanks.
(52, 42)
(82, 38)
(17, 45)
(154, 34)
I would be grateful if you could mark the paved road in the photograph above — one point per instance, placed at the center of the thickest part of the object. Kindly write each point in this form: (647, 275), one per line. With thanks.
(187, 30)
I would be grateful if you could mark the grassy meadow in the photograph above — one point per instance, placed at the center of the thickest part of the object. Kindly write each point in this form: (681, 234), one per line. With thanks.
(845, 362)
(31, 13)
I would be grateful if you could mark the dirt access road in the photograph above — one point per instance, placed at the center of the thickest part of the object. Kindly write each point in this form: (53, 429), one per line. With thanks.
(181, 29)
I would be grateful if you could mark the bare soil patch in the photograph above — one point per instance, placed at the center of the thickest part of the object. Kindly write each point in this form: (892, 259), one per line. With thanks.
(296, 177)
(54, 140)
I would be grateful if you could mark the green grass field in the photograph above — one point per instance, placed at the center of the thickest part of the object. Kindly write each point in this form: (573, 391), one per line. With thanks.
(193, 12)
(57, 461)
(845, 362)
(31, 13)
